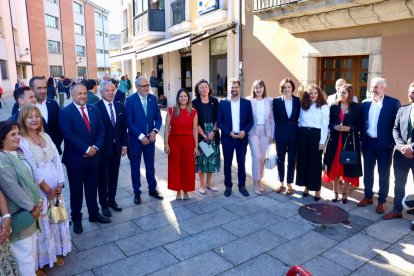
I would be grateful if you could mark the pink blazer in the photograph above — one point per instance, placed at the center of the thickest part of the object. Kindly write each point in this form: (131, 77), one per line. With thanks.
(270, 124)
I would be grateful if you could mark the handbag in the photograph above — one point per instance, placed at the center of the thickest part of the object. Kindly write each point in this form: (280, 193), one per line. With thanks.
(271, 157)
(56, 211)
(349, 157)
(21, 220)
(206, 148)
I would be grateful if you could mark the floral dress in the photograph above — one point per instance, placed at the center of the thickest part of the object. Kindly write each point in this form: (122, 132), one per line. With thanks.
(54, 240)
(7, 262)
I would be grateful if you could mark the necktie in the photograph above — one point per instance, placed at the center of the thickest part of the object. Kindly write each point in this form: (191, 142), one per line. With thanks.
(112, 114)
(85, 119)
(144, 104)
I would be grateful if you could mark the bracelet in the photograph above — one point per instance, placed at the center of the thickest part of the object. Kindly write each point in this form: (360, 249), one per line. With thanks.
(50, 190)
(6, 216)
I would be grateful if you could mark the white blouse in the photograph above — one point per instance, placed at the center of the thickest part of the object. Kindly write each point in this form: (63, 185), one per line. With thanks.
(317, 118)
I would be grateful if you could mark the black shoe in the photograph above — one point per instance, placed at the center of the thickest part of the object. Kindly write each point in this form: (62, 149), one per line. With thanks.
(412, 226)
(115, 206)
(305, 194)
(137, 199)
(410, 211)
(77, 226)
(106, 212)
(227, 192)
(243, 191)
(156, 195)
(99, 218)
(336, 198)
(316, 198)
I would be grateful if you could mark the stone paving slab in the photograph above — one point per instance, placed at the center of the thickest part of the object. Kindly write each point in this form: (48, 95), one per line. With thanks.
(292, 227)
(246, 248)
(140, 264)
(356, 251)
(207, 263)
(400, 254)
(89, 259)
(206, 221)
(262, 265)
(379, 268)
(389, 230)
(130, 213)
(368, 212)
(105, 235)
(302, 249)
(209, 204)
(251, 205)
(150, 239)
(199, 243)
(251, 223)
(284, 209)
(322, 266)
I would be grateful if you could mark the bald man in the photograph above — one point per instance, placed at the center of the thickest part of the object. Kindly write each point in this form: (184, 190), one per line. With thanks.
(332, 99)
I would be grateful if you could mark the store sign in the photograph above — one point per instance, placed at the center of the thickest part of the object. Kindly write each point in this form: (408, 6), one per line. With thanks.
(205, 6)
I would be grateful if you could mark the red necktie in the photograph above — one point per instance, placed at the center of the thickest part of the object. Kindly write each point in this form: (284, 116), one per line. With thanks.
(85, 119)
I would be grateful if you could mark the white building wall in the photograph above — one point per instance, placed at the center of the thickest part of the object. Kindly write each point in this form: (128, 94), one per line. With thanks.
(172, 75)
(200, 59)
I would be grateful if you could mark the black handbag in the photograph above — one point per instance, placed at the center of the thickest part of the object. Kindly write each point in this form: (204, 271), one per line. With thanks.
(349, 157)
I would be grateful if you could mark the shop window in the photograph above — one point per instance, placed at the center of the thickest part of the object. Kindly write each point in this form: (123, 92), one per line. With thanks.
(55, 70)
(3, 69)
(354, 69)
(218, 65)
(81, 71)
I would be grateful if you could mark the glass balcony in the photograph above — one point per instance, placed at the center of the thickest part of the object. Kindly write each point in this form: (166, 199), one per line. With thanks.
(260, 5)
(178, 11)
(124, 36)
(149, 21)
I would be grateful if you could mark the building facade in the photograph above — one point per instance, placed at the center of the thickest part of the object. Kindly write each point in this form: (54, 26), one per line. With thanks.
(182, 41)
(316, 41)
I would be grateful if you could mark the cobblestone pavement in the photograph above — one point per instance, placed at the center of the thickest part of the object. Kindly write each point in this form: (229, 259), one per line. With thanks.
(259, 235)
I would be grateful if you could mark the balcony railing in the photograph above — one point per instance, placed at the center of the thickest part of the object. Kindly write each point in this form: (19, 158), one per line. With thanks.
(178, 11)
(150, 20)
(260, 5)
(124, 36)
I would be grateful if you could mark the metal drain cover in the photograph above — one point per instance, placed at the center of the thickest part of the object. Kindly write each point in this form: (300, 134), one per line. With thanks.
(323, 213)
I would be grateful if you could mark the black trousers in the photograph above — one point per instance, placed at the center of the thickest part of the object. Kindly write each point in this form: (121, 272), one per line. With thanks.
(108, 177)
(309, 159)
(402, 166)
(283, 148)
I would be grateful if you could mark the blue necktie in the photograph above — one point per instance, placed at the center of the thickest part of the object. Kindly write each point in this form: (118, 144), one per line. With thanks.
(112, 114)
(144, 104)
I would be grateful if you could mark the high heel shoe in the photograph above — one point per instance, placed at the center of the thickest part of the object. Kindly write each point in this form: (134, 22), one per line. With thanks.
(305, 194)
(344, 198)
(335, 199)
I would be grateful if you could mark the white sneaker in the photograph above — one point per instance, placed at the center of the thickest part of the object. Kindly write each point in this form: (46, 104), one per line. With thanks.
(212, 188)
(202, 190)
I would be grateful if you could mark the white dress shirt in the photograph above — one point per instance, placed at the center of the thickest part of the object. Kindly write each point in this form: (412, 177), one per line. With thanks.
(260, 112)
(373, 116)
(235, 114)
(78, 107)
(109, 110)
(316, 118)
(288, 106)
(43, 110)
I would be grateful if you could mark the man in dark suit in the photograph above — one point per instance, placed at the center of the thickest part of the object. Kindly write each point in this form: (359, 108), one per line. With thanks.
(84, 134)
(378, 117)
(119, 95)
(23, 96)
(49, 109)
(143, 121)
(114, 146)
(235, 119)
(403, 154)
(92, 87)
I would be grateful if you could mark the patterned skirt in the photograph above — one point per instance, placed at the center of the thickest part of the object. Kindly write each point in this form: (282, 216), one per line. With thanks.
(7, 263)
(212, 163)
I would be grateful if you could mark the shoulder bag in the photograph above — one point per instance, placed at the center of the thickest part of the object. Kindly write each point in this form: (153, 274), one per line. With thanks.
(349, 157)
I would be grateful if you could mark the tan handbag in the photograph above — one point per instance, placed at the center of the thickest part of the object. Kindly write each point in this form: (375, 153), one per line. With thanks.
(56, 211)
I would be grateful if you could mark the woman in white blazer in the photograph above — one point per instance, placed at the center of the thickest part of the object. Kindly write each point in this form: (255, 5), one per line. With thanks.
(261, 134)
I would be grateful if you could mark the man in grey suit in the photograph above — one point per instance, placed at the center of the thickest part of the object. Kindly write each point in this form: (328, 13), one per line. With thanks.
(403, 155)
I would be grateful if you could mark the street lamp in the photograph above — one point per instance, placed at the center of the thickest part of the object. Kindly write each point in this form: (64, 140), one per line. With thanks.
(80, 60)
(26, 52)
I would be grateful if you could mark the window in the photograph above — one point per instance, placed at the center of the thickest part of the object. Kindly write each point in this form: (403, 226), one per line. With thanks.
(178, 11)
(99, 51)
(81, 70)
(78, 29)
(80, 51)
(97, 14)
(98, 33)
(55, 70)
(52, 21)
(105, 34)
(105, 17)
(77, 7)
(218, 64)
(354, 69)
(1, 27)
(106, 52)
(53, 46)
(3, 69)
(52, 1)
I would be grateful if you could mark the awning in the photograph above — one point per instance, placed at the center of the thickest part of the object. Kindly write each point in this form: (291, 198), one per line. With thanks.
(124, 56)
(165, 46)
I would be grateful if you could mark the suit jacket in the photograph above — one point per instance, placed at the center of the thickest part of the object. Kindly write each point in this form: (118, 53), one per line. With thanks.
(400, 130)
(76, 134)
(270, 124)
(137, 122)
(386, 121)
(225, 123)
(92, 98)
(286, 128)
(113, 134)
(120, 96)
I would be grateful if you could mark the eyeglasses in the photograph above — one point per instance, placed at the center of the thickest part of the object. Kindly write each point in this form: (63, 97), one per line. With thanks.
(144, 86)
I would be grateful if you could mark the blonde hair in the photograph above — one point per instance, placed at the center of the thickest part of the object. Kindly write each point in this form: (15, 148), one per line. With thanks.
(25, 111)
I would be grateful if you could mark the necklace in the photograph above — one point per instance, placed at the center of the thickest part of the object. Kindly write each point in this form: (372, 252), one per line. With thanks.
(38, 142)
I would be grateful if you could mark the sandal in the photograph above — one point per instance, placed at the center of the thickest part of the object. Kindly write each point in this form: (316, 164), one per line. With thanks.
(280, 189)
(289, 191)
(59, 262)
(344, 198)
(335, 199)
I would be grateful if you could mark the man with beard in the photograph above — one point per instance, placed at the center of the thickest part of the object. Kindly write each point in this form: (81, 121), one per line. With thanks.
(235, 119)
(403, 155)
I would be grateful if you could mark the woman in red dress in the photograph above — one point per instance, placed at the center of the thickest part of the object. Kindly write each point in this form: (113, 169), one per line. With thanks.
(344, 128)
(181, 145)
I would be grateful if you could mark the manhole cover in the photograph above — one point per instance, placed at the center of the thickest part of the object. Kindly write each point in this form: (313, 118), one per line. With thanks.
(323, 213)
